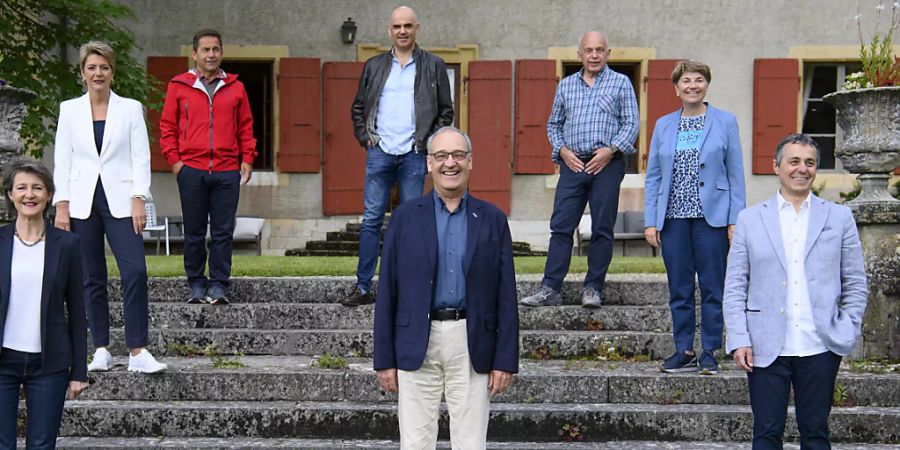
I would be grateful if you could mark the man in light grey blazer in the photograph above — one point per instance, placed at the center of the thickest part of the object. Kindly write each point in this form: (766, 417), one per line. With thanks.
(795, 295)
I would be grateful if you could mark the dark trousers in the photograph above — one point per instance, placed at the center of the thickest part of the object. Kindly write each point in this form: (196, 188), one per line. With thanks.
(812, 378)
(128, 249)
(573, 192)
(691, 246)
(45, 394)
(208, 198)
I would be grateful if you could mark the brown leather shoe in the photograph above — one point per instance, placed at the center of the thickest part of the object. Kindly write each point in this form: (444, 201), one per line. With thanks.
(357, 297)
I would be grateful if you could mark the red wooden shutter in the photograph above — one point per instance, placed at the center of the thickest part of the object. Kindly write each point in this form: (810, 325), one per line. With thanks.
(490, 100)
(300, 122)
(344, 169)
(535, 87)
(661, 98)
(776, 87)
(163, 68)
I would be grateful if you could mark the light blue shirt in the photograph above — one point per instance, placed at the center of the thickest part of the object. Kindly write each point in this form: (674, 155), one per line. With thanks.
(395, 121)
(452, 234)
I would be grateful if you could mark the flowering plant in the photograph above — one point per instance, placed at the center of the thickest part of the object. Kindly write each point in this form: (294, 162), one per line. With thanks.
(880, 66)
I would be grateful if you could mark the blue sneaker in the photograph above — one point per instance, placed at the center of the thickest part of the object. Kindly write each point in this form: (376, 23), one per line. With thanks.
(680, 362)
(709, 365)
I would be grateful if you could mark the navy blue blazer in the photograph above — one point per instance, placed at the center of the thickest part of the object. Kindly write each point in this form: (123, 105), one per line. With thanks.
(63, 342)
(721, 169)
(407, 278)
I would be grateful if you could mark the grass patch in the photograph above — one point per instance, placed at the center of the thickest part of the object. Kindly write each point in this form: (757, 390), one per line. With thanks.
(879, 366)
(222, 362)
(305, 266)
(327, 361)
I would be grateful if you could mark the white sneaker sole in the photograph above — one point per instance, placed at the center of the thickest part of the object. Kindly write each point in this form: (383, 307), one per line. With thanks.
(143, 370)
(98, 369)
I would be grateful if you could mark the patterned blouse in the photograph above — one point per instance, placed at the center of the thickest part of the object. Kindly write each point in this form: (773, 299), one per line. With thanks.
(684, 198)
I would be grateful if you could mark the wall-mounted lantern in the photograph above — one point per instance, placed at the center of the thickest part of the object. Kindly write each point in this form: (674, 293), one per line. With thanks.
(348, 31)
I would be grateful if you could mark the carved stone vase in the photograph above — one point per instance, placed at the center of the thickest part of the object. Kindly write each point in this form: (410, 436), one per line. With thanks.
(870, 147)
(12, 114)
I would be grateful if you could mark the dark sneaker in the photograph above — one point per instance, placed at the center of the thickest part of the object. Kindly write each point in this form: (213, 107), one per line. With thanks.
(590, 298)
(680, 362)
(545, 297)
(358, 297)
(708, 363)
(197, 297)
(216, 296)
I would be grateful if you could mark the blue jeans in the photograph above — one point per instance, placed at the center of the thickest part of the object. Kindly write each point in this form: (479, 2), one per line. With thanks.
(208, 198)
(128, 249)
(812, 378)
(382, 170)
(691, 246)
(45, 394)
(573, 192)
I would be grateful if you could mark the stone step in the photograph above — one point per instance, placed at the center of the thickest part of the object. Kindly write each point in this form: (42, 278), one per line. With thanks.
(509, 422)
(333, 245)
(271, 378)
(335, 316)
(342, 236)
(620, 289)
(535, 344)
(305, 252)
(150, 443)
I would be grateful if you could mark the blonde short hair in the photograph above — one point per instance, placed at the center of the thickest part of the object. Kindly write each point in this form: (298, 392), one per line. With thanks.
(689, 65)
(97, 48)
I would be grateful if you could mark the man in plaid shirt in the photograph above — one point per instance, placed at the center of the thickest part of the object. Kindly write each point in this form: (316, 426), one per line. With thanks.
(593, 123)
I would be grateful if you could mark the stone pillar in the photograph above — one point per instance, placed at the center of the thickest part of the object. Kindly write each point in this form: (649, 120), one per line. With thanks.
(870, 146)
(12, 114)
(879, 230)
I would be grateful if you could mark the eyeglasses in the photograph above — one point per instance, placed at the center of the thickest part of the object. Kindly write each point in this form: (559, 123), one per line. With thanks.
(457, 155)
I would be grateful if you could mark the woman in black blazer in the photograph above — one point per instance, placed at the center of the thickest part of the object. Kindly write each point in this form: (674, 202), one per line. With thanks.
(43, 330)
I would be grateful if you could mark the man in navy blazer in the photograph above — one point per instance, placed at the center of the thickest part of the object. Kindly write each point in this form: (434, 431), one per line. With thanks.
(795, 296)
(446, 319)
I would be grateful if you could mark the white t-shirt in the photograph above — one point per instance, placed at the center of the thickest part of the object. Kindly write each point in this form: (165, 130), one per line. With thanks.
(22, 331)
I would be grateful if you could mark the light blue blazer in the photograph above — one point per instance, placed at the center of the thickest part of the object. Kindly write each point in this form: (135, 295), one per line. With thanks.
(721, 169)
(756, 280)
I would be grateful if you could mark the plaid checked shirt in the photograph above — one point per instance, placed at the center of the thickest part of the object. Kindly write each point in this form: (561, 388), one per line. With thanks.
(585, 118)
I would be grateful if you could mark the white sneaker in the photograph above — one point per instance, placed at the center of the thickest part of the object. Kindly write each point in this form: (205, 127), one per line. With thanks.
(144, 362)
(101, 362)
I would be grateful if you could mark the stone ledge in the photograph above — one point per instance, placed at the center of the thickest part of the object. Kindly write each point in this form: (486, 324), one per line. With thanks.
(335, 316)
(81, 443)
(271, 378)
(516, 422)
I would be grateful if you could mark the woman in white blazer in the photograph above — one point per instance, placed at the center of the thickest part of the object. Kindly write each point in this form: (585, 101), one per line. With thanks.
(102, 173)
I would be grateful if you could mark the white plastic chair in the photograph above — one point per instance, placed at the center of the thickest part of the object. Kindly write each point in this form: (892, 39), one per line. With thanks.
(154, 225)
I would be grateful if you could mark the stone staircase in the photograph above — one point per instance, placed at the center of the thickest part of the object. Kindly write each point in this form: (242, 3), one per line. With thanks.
(589, 379)
(346, 243)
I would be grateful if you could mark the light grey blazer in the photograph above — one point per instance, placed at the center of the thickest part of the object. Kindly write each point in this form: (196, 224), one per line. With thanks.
(756, 280)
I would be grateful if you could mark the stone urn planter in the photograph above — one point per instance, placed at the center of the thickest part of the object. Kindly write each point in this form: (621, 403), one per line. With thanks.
(12, 113)
(870, 121)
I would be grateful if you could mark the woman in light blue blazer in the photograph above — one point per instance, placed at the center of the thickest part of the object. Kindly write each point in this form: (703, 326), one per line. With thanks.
(693, 192)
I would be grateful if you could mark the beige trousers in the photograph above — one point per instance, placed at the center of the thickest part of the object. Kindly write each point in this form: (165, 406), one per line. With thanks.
(447, 370)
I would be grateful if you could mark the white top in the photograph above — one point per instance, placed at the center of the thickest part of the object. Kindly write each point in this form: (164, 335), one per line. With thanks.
(22, 331)
(800, 338)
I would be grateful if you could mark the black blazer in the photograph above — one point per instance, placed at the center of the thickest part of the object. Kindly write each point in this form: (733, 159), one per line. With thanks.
(63, 342)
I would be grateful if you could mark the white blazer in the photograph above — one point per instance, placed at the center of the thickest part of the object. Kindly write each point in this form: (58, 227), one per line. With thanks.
(123, 164)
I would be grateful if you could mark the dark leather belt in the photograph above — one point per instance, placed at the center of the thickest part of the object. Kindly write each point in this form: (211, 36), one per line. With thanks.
(448, 314)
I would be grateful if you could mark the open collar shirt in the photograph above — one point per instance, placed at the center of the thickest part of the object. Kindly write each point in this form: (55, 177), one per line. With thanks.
(585, 118)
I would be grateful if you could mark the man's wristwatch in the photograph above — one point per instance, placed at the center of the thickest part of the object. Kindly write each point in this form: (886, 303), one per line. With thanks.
(614, 149)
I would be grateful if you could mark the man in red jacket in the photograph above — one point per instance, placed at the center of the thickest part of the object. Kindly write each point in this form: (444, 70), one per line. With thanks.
(207, 138)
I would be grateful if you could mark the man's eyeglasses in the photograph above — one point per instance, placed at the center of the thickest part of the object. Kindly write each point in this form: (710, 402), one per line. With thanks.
(458, 155)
